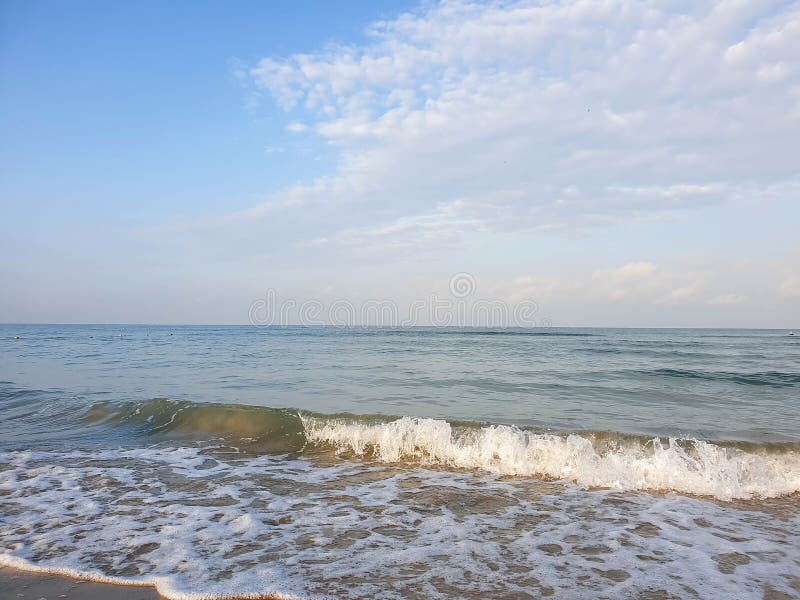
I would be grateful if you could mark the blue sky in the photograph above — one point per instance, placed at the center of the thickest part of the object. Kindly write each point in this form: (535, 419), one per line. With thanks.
(619, 163)
(141, 99)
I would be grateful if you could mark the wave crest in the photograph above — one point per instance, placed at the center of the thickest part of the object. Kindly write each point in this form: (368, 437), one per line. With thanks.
(682, 465)
(724, 470)
(265, 429)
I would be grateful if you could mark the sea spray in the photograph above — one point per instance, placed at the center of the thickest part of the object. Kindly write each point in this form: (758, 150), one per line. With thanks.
(688, 466)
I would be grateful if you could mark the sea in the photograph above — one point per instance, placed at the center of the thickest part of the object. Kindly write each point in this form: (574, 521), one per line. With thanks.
(325, 462)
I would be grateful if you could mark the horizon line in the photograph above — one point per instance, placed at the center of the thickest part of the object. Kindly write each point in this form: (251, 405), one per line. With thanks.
(331, 326)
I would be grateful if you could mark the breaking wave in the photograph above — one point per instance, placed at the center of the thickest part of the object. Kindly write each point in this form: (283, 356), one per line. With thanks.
(592, 459)
(596, 459)
(589, 459)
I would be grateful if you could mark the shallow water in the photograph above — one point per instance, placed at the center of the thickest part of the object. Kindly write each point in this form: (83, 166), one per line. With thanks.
(404, 463)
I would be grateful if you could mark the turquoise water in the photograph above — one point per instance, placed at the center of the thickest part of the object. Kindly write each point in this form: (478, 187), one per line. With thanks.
(220, 462)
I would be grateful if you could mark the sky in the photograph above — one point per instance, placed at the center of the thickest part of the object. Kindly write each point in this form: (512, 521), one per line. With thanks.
(607, 162)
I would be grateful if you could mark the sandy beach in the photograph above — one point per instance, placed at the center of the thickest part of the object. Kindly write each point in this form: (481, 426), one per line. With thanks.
(19, 584)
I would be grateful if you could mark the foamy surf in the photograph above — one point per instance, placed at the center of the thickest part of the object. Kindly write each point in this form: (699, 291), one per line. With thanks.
(197, 524)
(680, 465)
(724, 470)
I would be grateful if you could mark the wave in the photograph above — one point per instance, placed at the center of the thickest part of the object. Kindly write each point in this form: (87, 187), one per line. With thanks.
(608, 461)
(265, 429)
(768, 378)
(725, 470)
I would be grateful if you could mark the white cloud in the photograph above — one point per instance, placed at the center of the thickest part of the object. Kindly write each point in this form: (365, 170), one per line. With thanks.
(637, 280)
(646, 283)
(680, 295)
(463, 126)
(296, 127)
(727, 299)
(548, 118)
(441, 226)
(643, 291)
(635, 272)
(790, 287)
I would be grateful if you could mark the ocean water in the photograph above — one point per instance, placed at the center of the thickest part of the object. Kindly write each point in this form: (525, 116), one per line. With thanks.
(404, 463)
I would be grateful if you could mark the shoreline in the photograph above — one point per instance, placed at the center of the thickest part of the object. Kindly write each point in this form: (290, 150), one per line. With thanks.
(41, 584)
(19, 583)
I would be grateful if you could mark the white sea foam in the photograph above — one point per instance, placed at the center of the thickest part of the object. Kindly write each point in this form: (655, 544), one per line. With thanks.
(686, 466)
(205, 526)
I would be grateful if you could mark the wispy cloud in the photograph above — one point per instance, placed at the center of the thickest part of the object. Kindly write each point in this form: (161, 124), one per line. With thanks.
(462, 121)
(550, 117)
(645, 282)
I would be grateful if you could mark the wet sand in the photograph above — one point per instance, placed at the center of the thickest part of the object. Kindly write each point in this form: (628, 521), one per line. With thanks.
(20, 584)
